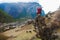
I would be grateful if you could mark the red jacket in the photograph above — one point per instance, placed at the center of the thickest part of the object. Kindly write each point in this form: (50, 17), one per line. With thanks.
(39, 10)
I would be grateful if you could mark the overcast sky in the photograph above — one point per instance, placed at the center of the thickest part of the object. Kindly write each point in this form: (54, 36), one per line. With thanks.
(18, 0)
(48, 5)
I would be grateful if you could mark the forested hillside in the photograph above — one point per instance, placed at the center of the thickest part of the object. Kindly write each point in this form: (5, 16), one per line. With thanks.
(5, 18)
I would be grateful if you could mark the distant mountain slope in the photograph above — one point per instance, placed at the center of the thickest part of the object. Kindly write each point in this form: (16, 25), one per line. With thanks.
(21, 10)
(4, 17)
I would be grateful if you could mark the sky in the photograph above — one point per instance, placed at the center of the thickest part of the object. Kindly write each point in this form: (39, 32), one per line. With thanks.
(50, 5)
(47, 5)
(18, 0)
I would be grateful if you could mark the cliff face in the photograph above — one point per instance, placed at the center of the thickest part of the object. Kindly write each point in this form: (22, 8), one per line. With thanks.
(56, 15)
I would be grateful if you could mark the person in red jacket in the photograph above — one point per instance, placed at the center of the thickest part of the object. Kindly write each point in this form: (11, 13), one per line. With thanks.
(39, 11)
(39, 24)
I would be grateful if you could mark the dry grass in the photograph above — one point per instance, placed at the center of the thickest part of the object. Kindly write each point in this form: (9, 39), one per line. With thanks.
(3, 37)
(21, 34)
(25, 36)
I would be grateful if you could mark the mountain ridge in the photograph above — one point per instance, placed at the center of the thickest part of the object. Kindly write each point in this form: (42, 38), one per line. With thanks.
(20, 9)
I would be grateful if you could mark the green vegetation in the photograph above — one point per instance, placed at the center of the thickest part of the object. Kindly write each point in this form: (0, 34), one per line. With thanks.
(5, 18)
